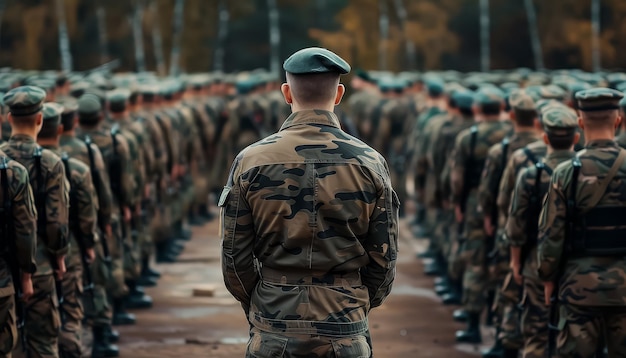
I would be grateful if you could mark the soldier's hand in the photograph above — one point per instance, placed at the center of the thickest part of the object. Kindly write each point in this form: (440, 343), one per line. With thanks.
(109, 231)
(548, 289)
(488, 225)
(91, 254)
(27, 287)
(127, 214)
(61, 267)
(517, 276)
(458, 213)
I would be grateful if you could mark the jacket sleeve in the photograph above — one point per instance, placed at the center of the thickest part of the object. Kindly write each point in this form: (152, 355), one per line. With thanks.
(24, 218)
(381, 245)
(57, 205)
(86, 210)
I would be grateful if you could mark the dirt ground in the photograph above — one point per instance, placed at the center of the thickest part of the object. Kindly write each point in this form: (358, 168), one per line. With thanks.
(411, 323)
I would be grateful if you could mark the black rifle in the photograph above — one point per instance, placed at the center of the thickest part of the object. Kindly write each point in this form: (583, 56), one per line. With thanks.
(10, 253)
(75, 230)
(96, 179)
(571, 214)
(42, 221)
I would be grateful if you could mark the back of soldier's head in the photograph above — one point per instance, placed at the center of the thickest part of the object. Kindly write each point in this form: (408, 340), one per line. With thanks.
(599, 107)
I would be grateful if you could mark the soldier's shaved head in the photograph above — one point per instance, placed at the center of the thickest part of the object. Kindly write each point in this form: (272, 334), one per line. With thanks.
(313, 89)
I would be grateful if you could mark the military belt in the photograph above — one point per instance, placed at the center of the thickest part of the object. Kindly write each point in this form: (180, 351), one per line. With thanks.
(321, 328)
(299, 278)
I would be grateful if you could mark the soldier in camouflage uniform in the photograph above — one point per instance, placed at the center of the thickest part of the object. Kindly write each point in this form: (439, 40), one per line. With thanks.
(19, 248)
(353, 211)
(361, 104)
(470, 153)
(122, 184)
(621, 137)
(121, 120)
(98, 312)
(82, 223)
(47, 179)
(532, 185)
(523, 115)
(581, 250)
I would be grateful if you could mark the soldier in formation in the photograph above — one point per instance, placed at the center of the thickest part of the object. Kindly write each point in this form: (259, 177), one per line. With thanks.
(485, 151)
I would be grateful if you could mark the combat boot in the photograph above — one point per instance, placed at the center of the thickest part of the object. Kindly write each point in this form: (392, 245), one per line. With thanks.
(101, 346)
(460, 315)
(180, 232)
(194, 219)
(472, 333)
(205, 213)
(434, 268)
(441, 280)
(497, 351)
(146, 270)
(112, 335)
(510, 353)
(137, 298)
(120, 316)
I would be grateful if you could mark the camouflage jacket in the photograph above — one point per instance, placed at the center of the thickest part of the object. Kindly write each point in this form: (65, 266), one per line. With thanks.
(519, 216)
(519, 160)
(24, 224)
(81, 186)
(425, 177)
(493, 170)
(135, 156)
(55, 242)
(77, 149)
(585, 281)
(621, 139)
(314, 208)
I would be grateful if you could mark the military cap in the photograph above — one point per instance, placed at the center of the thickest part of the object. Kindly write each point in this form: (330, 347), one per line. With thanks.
(52, 113)
(435, 86)
(559, 120)
(315, 60)
(464, 99)
(552, 92)
(598, 99)
(622, 103)
(25, 100)
(89, 107)
(362, 74)
(621, 87)
(521, 100)
(489, 95)
(118, 96)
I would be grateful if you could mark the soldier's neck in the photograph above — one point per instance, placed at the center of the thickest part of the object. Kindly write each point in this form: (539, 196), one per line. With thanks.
(29, 132)
(70, 133)
(48, 142)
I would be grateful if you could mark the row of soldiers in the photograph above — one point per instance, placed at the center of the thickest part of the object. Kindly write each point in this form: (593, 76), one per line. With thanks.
(478, 151)
(99, 174)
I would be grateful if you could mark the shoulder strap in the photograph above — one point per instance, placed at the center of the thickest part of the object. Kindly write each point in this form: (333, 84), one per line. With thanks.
(4, 181)
(599, 193)
(473, 136)
(529, 154)
(40, 179)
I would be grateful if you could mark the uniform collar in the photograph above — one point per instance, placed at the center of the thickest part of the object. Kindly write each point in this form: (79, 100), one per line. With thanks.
(601, 143)
(561, 154)
(22, 138)
(311, 116)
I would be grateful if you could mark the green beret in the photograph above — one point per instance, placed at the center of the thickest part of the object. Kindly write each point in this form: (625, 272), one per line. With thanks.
(598, 99)
(435, 86)
(25, 100)
(89, 107)
(559, 120)
(315, 60)
(362, 74)
(509, 87)
(552, 92)
(521, 100)
(489, 95)
(621, 87)
(52, 113)
(118, 96)
(464, 99)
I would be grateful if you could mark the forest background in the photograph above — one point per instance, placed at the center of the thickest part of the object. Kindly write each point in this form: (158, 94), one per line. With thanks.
(235, 35)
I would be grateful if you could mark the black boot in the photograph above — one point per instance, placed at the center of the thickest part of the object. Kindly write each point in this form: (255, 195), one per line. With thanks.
(101, 346)
(441, 290)
(460, 315)
(434, 269)
(441, 280)
(194, 219)
(510, 353)
(472, 333)
(148, 276)
(497, 351)
(165, 253)
(112, 335)
(203, 211)
(120, 316)
(451, 299)
(137, 299)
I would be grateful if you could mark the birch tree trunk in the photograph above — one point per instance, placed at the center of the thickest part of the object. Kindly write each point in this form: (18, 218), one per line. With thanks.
(595, 36)
(64, 41)
(409, 46)
(222, 35)
(383, 24)
(273, 14)
(137, 26)
(157, 41)
(531, 14)
(179, 11)
(485, 38)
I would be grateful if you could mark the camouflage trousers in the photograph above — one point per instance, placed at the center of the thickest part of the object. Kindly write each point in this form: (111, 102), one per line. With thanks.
(586, 327)
(98, 309)
(475, 278)
(267, 345)
(535, 318)
(72, 312)
(509, 299)
(8, 333)
(42, 321)
(129, 253)
(118, 247)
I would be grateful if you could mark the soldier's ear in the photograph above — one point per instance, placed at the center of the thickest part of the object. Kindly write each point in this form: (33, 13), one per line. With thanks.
(60, 130)
(341, 90)
(286, 90)
(545, 138)
(576, 138)
(581, 124)
(618, 121)
(39, 120)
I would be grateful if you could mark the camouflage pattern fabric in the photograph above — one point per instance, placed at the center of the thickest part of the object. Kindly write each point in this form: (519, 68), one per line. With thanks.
(8, 332)
(293, 185)
(72, 312)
